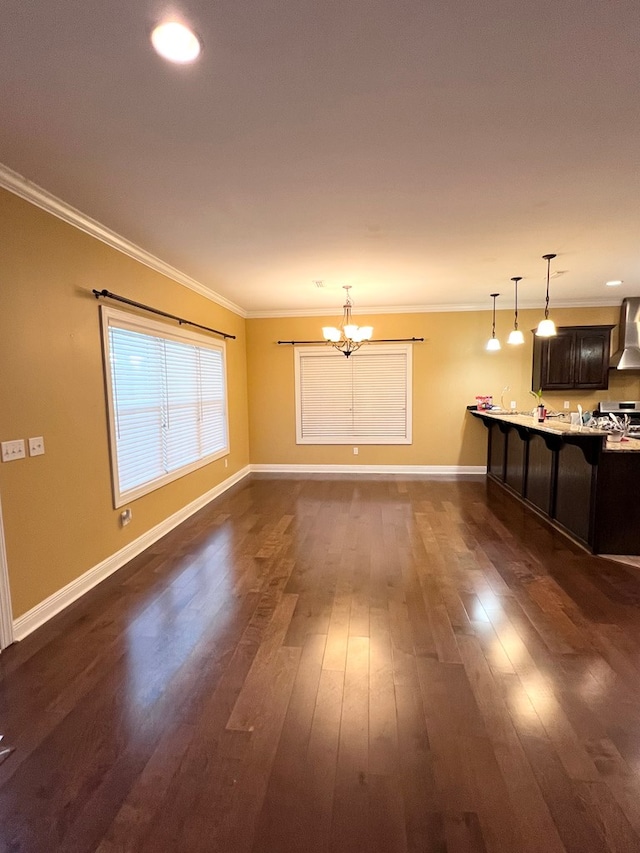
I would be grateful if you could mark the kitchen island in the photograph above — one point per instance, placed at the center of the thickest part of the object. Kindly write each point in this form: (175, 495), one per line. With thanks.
(581, 482)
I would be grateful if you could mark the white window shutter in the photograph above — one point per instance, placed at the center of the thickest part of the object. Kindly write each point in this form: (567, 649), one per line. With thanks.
(167, 402)
(363, 399)
(327, 395)
(380, 395)
(138, 404)
(182, 424)
(213, 433)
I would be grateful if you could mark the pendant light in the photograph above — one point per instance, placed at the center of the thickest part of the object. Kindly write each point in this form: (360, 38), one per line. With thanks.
(493, 343)
(547, 328)
(515, 335)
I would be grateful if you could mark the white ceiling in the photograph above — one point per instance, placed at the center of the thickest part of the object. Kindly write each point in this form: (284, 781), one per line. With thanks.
(423, 152)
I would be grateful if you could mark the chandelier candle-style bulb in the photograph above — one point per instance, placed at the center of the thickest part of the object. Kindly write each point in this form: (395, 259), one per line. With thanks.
(515, 335)
(547, 328)
(330, 333)
(493, 343)
(349, 336)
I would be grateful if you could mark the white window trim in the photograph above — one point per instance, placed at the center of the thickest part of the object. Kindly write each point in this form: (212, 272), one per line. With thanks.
(331, 352)
(136, 323)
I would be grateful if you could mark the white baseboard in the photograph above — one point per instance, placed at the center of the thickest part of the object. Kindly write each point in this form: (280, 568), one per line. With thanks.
(41, 613)
(6, 617)
(430, 471)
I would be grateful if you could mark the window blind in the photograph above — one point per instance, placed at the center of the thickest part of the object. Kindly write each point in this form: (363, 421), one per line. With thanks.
(364, 398)
(167, 403)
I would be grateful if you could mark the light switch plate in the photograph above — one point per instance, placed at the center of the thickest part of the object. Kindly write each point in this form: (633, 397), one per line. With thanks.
(13, 450)
(36, 446)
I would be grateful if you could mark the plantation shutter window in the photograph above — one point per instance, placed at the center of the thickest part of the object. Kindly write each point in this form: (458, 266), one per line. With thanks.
(363, 399)
(166, 391)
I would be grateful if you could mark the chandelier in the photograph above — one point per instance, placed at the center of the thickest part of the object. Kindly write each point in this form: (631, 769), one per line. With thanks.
(348, 337)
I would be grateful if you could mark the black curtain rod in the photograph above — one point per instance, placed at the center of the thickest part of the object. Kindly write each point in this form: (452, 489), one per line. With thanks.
(376, 341)
(106, 294)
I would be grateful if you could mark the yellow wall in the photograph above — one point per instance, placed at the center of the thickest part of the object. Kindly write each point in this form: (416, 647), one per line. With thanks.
(59, 519)
(449, 369)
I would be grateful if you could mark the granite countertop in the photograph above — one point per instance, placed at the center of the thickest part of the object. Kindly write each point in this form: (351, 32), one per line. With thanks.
(625, 444)
(551, 425)
(555, 426)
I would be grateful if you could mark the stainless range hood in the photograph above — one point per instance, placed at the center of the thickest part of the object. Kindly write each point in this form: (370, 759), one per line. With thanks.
(627, 356)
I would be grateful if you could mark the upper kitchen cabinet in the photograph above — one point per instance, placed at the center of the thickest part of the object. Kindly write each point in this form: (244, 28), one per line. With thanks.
(577, 357)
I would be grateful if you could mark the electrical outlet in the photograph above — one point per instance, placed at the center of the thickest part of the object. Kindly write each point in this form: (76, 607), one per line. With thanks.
(513, 404)
(13, 450)
(125, 517)
(36, 446)
(355, 451)
(226, 463)
(567, 404)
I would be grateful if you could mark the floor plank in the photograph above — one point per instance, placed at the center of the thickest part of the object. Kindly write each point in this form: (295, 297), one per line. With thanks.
(332, 664)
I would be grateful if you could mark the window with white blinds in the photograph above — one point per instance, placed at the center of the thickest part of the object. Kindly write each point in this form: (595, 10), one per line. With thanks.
(166, 390)
(364, 399)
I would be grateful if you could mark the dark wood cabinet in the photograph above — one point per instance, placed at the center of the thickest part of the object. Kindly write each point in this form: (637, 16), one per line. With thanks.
(576, 358)
(540, 475)
(497, 450)
(575, 481)
(571, 478)
(515, 461)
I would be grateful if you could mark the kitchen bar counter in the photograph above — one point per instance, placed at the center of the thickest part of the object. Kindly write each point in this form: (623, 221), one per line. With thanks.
(583, 483)
(554, 426)
(629, 444)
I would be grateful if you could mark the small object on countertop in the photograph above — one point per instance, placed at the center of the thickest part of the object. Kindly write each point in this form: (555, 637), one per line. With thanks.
(538, 395)
(620, 424)
(484, 402)
(542, 412)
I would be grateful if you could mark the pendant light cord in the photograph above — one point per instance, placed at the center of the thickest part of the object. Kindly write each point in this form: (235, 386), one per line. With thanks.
(548, 259)
(546, 301)
(515, 280)
(493, 325)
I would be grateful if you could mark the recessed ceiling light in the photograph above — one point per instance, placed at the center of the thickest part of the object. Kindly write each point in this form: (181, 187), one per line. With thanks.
(615, 283)
(175, 42)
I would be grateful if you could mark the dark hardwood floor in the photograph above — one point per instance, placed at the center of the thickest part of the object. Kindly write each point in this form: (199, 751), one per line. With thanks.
(331, 664)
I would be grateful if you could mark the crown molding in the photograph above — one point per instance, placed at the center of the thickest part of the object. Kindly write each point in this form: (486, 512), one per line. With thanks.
(429, 309)
(361, 309)
(26, 189)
